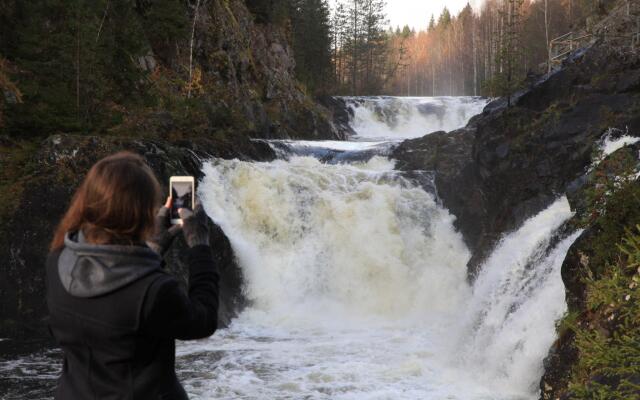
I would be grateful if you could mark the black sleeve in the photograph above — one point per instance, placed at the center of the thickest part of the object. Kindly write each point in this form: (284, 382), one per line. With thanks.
(169, 312)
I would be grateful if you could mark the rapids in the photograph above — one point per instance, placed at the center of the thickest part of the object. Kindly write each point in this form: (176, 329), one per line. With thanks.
(356, 278)
(398, 118)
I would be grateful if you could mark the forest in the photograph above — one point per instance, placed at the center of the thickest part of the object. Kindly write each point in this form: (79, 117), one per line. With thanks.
(488, 50)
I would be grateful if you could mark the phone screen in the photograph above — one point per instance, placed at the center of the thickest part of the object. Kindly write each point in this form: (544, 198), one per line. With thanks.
(182, 194)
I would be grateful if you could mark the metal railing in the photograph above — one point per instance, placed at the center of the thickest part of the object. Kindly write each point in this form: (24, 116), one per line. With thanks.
(561, 47)
(626, 41)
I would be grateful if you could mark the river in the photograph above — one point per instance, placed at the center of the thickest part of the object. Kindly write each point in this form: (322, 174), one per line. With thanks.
(356, 278)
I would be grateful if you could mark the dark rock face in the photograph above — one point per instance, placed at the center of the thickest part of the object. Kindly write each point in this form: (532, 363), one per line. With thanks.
(61, 163)
(342, 114)
(248, 72)
(509, 164)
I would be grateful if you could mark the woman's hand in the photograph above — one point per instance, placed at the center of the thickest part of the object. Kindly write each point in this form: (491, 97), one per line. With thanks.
(195, 226)
(164, 232)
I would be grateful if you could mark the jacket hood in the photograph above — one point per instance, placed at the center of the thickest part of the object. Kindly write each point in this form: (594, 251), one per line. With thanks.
(90, 270)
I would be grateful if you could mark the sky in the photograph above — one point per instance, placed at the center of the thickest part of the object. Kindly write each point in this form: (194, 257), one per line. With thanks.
(416, 13)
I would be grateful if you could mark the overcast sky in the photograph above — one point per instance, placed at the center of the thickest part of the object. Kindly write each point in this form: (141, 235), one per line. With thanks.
(416, 13)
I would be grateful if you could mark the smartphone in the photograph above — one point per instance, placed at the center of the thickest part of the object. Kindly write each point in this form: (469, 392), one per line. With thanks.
(182, 192)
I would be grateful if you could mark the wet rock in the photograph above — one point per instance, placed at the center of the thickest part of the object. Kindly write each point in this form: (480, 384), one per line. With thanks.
(6, 141)
(432, 110)
(341, 114)
(562, 355)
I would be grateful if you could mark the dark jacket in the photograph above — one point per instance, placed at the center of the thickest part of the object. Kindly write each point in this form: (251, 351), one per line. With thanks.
(116, 315)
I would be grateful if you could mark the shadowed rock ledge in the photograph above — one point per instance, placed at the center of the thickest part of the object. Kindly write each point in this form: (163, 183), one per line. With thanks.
(36, 201)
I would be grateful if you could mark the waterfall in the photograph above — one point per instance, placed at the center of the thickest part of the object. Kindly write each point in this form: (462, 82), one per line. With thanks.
(516, 300)
(397, 118)
(355, 277)
(356, 281)
(355, 238)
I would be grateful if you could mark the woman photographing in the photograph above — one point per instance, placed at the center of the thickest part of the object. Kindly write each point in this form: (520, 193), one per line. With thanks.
(113, 310)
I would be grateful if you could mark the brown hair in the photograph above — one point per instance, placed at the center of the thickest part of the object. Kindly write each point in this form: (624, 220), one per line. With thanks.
(116, 203)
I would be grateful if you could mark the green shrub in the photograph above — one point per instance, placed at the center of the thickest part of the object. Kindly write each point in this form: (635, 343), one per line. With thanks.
(607, 330)
(609, 342)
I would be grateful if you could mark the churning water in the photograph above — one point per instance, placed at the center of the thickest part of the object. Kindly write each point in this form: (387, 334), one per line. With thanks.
(357, 289)
(394, 118)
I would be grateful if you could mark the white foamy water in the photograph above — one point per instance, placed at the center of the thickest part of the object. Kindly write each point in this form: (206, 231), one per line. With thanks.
(396, 118)
(517, 298)
(614, 140)
(352, 239)
(357, 288)
(333, 144)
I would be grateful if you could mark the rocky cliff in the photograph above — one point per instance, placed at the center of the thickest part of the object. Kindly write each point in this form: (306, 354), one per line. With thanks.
(510, 163)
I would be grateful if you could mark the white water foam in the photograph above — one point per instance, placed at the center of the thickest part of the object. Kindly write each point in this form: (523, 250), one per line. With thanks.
(516, 300)
(396, 118)
(333, 144)
(613, 140)
(358, 290)
(308, 240)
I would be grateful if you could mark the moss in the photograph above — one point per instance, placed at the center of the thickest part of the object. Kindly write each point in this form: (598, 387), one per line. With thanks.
(568, 323)
(551, 114)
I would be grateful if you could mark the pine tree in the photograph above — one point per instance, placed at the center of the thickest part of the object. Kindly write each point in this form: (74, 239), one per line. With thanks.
(374, 43)
(510, 51)
(445, 18)
(312, 43)
(353, 44)
(79, 57)
(338, 34)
